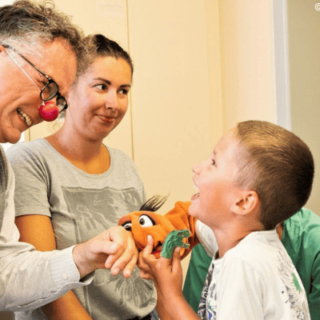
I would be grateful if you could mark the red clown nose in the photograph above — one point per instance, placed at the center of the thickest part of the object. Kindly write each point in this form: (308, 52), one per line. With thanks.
(49, 111)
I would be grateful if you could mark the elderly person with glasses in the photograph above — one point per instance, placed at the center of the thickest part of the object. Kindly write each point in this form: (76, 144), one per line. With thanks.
(49, 91)
(40, 52)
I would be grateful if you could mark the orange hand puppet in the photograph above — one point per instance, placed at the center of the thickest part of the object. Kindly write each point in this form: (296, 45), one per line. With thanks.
(147, 222)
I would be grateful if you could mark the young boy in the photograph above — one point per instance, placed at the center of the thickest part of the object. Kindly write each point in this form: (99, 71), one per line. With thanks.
(300, 235)
(258, 175)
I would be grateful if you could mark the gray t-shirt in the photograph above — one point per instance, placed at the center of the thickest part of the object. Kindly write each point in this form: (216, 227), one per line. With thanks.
(82, 205)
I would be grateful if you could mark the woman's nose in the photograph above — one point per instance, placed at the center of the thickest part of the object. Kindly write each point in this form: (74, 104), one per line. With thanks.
(111, 99)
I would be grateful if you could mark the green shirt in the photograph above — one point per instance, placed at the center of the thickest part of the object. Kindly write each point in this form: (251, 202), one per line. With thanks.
(301, 238)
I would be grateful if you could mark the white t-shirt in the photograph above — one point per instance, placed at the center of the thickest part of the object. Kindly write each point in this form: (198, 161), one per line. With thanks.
(254, 280)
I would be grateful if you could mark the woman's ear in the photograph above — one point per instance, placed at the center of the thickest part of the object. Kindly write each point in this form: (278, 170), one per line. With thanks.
(247, 202)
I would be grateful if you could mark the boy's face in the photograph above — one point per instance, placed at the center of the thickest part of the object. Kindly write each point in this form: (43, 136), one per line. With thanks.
(216, 180)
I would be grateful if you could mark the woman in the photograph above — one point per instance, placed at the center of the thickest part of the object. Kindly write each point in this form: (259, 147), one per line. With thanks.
(80, 187)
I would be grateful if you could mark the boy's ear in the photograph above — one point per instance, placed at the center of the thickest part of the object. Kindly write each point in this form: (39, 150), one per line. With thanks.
(247, 202)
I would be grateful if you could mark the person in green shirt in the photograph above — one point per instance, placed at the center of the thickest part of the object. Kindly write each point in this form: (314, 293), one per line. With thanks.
(300, 235)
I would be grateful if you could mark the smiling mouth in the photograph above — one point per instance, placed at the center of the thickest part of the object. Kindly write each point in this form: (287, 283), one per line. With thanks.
(24, 117)
(107, 118)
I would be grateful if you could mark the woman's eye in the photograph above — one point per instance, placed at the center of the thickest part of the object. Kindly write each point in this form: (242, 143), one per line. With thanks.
(127, 226)
(124, 91)
(146, 221)
(213, 162)
(101, 86)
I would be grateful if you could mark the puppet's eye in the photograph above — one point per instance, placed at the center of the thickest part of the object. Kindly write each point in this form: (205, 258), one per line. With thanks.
(146, 221)
(127, 225)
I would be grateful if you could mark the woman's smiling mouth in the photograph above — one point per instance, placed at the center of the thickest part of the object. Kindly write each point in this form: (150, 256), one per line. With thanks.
(107, 118)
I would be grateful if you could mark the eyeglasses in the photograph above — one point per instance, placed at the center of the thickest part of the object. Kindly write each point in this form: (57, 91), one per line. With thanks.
(50, 89)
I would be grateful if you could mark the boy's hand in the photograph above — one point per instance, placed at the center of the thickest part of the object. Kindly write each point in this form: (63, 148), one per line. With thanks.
(166, 273)
(167, 276)
(112, 249)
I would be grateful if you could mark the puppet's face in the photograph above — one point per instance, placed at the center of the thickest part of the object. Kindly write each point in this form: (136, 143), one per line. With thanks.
(144, 223)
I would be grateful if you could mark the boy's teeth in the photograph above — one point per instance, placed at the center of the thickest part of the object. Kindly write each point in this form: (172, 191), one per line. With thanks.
(24, 117)
(195, 187)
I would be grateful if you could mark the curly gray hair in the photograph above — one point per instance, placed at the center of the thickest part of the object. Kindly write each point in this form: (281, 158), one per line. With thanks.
(28, 23)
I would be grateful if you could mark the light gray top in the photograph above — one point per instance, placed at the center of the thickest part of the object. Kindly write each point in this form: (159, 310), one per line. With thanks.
(28, 278)
(82, 205)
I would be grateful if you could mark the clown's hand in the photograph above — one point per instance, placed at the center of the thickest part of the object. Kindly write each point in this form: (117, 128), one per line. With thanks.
(112, 249)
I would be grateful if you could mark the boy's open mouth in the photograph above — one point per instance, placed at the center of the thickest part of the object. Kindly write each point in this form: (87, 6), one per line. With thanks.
(196, 195)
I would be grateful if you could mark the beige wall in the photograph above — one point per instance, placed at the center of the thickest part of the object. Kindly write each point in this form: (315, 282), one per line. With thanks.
(175, 105)
(200, 67)
(192, 81)
(247, 61)
(174, 117)
(304, 50)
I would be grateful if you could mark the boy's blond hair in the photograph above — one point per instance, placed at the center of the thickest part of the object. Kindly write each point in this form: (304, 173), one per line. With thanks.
(278, 165)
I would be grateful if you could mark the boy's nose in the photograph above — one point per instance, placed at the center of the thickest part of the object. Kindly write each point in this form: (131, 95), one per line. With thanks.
(196, 168)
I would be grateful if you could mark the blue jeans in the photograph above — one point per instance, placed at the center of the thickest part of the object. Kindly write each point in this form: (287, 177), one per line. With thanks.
(154, 315)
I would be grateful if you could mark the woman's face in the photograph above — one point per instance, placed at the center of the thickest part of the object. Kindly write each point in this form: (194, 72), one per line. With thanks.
(99, 100)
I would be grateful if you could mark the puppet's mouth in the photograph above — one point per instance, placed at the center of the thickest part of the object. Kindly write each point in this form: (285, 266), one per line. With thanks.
(158, 248)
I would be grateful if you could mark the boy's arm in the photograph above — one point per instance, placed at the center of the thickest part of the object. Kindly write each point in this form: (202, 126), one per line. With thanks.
(167, 276)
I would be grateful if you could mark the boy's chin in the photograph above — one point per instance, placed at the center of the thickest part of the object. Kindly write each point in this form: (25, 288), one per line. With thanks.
(193, 210)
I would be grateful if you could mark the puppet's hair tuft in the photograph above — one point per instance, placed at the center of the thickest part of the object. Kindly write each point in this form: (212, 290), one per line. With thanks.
(154, 203)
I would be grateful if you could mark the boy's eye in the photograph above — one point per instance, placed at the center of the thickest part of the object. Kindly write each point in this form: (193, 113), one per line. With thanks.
(213, 162)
